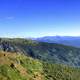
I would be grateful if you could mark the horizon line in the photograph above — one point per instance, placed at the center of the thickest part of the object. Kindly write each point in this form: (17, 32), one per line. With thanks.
(39, 36)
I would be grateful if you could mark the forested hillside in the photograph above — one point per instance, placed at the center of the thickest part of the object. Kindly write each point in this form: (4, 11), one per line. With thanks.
(49, 52)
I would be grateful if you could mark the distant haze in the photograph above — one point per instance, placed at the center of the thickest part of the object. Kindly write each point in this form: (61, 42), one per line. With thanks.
(66, 40)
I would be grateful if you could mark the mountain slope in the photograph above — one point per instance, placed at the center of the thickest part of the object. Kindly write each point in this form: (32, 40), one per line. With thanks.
(48, 52)
(16, 66)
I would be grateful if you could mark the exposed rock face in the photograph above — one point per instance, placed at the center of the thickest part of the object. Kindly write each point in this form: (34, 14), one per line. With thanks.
(6, 46)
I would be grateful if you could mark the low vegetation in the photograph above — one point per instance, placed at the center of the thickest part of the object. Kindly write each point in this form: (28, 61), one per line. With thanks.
(16, 66)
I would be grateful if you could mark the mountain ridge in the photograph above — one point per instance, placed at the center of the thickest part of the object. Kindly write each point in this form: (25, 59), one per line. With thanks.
(65, 40)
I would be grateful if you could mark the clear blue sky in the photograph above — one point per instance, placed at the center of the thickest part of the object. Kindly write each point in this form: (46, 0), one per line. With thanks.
(35, 18)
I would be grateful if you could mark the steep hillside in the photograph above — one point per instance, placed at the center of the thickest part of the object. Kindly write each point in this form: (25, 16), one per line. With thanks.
(16, 66)
(52, 53)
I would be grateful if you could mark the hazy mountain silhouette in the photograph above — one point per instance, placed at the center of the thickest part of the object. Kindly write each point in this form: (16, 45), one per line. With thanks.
(66, 40)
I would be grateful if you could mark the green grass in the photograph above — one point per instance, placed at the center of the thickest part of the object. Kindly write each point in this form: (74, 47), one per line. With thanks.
(9, 74)
(60, 72)
(24, 68)
(34, 69)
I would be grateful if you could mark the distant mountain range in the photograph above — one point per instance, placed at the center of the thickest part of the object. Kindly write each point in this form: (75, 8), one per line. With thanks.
(66, 40)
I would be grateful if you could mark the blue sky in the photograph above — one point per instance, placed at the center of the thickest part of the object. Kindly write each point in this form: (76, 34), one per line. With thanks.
(36, 18)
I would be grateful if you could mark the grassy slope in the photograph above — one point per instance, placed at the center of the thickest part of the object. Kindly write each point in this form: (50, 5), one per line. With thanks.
(14, 66)
(19, 67)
